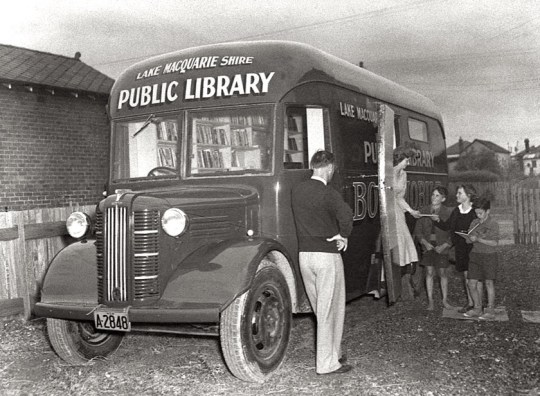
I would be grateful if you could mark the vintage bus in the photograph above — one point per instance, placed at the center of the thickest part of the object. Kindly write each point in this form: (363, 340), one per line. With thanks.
(195, 234)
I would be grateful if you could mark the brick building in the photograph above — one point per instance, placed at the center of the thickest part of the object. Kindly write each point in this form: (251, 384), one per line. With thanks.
(54, 130)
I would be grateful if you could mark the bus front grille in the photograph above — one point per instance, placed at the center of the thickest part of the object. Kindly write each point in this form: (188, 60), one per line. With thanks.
(146, 254)
(116, 252)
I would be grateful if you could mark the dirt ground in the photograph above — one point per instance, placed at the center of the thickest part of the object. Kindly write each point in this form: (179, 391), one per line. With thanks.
(401, 350)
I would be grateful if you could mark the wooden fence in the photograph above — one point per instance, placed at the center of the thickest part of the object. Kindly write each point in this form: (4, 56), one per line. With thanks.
(28, 241)
(526, 209)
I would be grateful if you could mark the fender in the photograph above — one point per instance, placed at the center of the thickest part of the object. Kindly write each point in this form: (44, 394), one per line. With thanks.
(219, 272)
(72, 275)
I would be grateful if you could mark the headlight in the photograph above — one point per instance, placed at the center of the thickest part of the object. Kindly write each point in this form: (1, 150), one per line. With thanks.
(174, 222)
(78, 224)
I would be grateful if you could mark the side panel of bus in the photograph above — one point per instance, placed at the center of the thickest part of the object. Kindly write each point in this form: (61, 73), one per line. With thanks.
(350, 132)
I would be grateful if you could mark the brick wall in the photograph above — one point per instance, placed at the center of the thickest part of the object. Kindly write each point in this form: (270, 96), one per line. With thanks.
(54, 149)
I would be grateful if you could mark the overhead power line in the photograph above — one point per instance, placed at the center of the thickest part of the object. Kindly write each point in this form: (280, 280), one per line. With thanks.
(364, 15)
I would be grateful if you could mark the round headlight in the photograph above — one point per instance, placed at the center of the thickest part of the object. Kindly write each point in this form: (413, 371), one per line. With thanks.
(78, 224)
(174, 222)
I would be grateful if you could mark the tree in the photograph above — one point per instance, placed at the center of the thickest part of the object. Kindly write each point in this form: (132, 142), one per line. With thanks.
(473, 160)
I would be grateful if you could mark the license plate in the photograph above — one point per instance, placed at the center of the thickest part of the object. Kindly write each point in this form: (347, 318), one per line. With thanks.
(112, 320)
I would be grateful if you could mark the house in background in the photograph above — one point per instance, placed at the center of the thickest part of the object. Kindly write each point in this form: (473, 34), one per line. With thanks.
(453, 153)
(528, 159)
(462, 147)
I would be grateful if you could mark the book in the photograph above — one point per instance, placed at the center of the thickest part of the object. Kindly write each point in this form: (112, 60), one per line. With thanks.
(468, 233)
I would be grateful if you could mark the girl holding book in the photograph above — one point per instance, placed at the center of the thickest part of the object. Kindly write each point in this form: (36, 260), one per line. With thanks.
(460, 220)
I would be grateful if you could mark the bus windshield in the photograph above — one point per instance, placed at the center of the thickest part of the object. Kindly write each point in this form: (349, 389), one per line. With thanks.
(145, 148)
(230, 141)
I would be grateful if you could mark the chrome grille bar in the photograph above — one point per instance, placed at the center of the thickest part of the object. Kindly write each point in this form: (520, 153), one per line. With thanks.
(116, 234)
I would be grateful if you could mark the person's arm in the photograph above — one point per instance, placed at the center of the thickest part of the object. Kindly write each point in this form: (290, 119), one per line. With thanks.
(343, 212)
(446, 225)
(491, 237)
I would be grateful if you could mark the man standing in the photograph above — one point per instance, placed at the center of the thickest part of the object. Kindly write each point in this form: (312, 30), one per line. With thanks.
(323, 224)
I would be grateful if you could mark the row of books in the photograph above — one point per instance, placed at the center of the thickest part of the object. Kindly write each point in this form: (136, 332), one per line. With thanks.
(259, 120)
(225, 158)
(167, 157)
(242, 137)
(207, 158)
(292, 144)
(209, 135)
(167, 130)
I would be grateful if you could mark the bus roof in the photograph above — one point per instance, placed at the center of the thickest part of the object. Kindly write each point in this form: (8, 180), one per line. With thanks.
(156, 84)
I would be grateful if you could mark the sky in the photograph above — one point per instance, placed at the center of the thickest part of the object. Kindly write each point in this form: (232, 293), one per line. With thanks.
(478, 60)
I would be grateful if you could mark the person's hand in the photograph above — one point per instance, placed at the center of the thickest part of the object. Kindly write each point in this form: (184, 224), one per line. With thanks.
(440, 248)
(436, 218)
(341, 242)
(427, 245)
(415, 214)
(473, 238)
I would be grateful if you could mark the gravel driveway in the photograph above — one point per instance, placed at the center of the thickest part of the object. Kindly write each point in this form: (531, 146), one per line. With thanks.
(402, 350)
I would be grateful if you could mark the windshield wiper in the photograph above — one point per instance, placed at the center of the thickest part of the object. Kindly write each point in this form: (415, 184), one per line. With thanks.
(148, 121)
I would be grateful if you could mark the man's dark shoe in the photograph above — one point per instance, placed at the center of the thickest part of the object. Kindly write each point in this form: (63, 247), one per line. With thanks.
(343, 369)
(343, 359)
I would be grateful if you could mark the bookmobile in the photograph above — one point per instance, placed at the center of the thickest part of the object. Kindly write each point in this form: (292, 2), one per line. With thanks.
(196, 233)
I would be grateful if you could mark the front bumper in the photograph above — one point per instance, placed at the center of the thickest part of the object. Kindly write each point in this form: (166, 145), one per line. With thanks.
(185, 313)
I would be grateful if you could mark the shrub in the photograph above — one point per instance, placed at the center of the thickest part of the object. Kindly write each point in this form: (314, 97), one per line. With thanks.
(474, 176)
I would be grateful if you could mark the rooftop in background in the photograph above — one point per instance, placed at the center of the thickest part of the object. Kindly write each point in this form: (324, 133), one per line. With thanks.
(455, 149)
(21, 65)
(492, 146)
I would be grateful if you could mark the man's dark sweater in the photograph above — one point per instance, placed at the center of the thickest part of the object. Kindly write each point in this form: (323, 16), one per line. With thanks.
(319, 213)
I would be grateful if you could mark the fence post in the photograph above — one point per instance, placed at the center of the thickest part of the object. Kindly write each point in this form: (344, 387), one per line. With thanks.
(21, 266)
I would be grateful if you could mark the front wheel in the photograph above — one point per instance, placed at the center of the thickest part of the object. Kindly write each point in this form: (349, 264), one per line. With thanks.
(256, 327)
(79, 342)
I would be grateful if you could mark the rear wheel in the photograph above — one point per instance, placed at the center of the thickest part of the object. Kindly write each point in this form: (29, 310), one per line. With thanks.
(255, 328)
(79, 342)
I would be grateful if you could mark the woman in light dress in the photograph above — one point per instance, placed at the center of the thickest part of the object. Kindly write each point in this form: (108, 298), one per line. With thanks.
(405, 254)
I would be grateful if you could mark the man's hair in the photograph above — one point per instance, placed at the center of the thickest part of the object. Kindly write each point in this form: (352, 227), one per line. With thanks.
(321, 159)
(481, 203)
(441, 190)
(469, 190)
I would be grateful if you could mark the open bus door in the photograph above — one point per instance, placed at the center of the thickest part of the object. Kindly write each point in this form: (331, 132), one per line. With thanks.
(387, 212)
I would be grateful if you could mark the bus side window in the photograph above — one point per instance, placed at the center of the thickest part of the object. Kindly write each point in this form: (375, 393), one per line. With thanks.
(418, 130)
(304, 135)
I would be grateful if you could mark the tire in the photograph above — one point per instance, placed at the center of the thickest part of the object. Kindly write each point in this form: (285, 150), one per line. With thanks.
(255, 328)
(79, 342)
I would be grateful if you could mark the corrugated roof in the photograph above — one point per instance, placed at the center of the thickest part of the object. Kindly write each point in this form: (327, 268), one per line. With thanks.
(34, 67)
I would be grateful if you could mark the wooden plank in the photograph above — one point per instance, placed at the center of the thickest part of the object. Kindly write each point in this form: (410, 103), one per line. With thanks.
(519, 204)
(9, 234)
(515, 213)
(22, 267)
(12, 306)
(537, 214)
(45, 230)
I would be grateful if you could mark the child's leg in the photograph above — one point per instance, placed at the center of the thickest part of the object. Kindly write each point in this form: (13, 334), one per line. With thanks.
(429, 286)
(490, 287)
(473, 290)
(480, 293)
(470, 300)
(444, 286)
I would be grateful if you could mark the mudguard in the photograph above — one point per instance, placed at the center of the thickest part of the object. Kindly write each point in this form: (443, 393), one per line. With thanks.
(213, 275)
(218, 272)
(72, 275)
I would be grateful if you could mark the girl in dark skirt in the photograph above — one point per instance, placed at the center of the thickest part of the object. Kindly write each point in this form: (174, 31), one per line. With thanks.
(460, 220)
